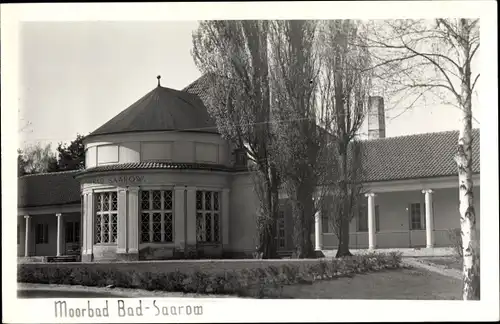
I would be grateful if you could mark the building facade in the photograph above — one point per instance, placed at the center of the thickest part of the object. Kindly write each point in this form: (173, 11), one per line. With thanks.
(160, 183)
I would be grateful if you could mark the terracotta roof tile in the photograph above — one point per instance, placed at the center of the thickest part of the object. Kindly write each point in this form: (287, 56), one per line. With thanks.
(46, 189)
(158, 165)
(415, 156)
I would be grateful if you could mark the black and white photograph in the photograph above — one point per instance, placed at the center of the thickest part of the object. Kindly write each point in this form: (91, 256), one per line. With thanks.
(166, 167)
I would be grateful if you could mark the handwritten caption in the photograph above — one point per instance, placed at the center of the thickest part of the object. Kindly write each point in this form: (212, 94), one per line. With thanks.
(120, 308)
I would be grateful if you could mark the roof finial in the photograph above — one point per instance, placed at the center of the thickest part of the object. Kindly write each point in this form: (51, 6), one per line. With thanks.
(158, 77)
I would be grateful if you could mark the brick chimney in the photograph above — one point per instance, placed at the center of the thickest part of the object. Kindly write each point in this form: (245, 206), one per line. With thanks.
(376, 118)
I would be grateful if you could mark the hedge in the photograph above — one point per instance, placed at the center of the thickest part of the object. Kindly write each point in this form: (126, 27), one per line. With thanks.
(265, 280)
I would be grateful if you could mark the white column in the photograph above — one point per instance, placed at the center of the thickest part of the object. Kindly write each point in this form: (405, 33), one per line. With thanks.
(122, 221)
(59, 234)
(27, 235)
(429, 218)
(371, 221)
(318, 231)
(90, 223)
(191, 216)
(179, 219)
(225, 218)
(83, 234)
(133, 220)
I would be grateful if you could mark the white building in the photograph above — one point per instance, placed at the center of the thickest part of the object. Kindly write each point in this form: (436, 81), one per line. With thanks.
(160, 183)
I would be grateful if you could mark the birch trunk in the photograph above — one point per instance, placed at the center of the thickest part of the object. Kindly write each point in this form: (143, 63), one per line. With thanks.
(471, 278)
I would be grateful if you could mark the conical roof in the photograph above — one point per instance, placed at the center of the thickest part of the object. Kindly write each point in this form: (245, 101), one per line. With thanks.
(162, 109)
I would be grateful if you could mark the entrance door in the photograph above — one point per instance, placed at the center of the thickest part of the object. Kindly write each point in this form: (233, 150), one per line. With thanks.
(72, 238)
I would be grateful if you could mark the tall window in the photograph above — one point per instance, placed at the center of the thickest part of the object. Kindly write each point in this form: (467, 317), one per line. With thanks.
(106, 218)
(207, 216)
(416, 219)
(72, 232)
(363, 219)
(18, 234)
(280, 229)
(42, 234)
(156, 216)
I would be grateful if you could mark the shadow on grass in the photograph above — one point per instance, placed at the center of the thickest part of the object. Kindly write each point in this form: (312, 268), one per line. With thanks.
(54, 293)
(404, 284)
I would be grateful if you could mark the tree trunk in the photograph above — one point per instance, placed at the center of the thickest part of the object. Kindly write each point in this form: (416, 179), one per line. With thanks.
(303, 219)
(343, 230)
(343, 249)
(270, 209)
(467, 214)
(471, 275)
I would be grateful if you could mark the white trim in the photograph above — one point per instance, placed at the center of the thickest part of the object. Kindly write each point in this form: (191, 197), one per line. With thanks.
(156, 187)
(406, 185)
(210, 188)
(105, 189)
(417, 184)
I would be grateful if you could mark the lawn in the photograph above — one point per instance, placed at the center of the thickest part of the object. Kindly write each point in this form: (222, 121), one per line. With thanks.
(389, 284)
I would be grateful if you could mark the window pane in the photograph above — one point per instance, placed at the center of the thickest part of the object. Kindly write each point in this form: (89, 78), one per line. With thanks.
(105, 228)
(200, 235)
(363, 219)
(114, 201)
(156, 227)
(216, 227)
(167, 200)
(114, 228)
(156, 199)
(106, 198)
(216, 201)
(199, 198)
(208, 200)
(98, 228)
(415, 216)
(208, 227)
(145, 200)
(144, 227)
(377, 218)
(99, 202)
(168, 227)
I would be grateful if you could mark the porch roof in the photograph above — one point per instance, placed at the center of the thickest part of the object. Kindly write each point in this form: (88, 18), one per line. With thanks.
(46, 189)
(415, 156)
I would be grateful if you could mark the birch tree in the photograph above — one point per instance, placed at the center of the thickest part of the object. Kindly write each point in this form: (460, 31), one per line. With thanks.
(233, 56)
(417, 58)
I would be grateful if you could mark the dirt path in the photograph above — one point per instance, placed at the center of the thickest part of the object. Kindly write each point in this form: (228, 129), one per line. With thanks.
(453, 273)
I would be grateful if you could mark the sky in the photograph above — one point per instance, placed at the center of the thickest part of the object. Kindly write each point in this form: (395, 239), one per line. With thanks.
(75, 76)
